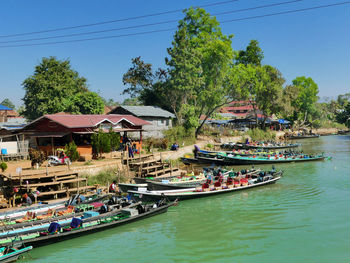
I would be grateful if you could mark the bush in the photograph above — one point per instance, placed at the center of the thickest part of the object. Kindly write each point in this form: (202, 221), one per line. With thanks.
(179, 135)
(3, 166)
(106, 176)
(260, 135)
(71, 150)
(36, 156)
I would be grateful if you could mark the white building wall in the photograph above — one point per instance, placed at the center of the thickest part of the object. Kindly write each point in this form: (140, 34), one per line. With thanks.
(156, 129)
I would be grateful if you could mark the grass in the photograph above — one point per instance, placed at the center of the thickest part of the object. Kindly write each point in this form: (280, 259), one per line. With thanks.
(106, 176)
(257, 134)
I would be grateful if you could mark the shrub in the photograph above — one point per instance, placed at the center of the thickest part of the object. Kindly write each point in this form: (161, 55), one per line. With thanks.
(71, 150)
(3, 166)
(36, 157)
(180, 135)
(106, 176)
(257, 134)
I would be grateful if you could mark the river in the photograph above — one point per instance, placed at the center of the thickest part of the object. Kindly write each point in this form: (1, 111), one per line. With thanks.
(304, 217)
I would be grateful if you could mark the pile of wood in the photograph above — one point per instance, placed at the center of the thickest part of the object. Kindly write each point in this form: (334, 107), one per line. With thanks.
(44, 186)
(149, 166)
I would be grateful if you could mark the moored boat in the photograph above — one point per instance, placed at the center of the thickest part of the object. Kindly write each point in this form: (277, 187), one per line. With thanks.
(247, 160)
(39, 225)
(185, 194)
(126, 187)
(11, 254)
(304, 136)
(79, 227)
(260, 145)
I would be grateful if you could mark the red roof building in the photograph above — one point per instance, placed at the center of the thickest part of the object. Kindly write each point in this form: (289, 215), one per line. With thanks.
(239, 108)
(53, 131)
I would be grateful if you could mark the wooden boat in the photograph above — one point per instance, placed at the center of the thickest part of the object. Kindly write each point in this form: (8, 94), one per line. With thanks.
(192, 193)
(37, 225)
(11, 254)
(244, 160)
(126, 187)
(183, 184)
(91, 225)
(44, 208)
(304, 136)
(260, 145)
(189, 160)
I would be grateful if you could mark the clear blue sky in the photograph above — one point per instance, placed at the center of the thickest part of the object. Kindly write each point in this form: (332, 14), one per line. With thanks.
(312, 43)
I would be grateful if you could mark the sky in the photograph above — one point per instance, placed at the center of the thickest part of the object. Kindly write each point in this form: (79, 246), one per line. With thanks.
(312, 43)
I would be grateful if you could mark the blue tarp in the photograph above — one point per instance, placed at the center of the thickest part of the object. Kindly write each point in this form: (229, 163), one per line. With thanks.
(2, 107)
(76, 222)
(54, 227)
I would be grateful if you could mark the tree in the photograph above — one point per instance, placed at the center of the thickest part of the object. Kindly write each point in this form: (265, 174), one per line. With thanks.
(253, 54)
(54, 87)
(110, 102)
(131, 102)
(145, 86)
(200, 67)
(6, 102)
(305, 103)
(86, 103)
(289, 95)
(269, 93)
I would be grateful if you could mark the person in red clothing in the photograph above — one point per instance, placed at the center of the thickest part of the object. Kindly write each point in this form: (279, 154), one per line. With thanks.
(113, 187)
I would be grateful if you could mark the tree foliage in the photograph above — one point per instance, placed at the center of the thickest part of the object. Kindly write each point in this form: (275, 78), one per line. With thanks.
(305, 103)
(253, 55)
(56, 87)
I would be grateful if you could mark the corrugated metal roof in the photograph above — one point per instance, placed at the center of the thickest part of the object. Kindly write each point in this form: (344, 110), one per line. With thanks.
(91, 120)
(148, 111)
(2, 107)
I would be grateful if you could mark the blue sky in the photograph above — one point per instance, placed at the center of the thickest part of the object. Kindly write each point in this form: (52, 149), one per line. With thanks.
(312, 43)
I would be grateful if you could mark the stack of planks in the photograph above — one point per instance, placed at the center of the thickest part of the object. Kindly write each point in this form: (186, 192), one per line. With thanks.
(45, 185)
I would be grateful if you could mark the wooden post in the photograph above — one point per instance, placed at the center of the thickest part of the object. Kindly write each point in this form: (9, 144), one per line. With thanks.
(52, 146)
(171, 170)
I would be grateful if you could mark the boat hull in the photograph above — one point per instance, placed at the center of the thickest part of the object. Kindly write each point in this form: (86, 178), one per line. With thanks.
(164, 186)
(126, 187)
(249, 161)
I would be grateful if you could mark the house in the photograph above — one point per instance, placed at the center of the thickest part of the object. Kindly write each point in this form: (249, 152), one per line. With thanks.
(239, 108)
(53, 131)
(160, 119)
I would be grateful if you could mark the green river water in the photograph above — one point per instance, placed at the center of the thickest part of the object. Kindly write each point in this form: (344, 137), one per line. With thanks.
(304, 217)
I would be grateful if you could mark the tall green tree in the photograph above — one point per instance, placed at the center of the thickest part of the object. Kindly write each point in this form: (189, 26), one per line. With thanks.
(200, 65)
(6, 102)
(269, 93)
(305, 103)
(53, 88)
(86, 103)
(253, 55)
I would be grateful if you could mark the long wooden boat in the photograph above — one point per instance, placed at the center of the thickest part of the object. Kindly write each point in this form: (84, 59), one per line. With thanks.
(11, 254)
(43, 208)
(33, 226)
(243, 160)
(305, 136)
(185, 194)
(264, 146)
(10, 216)
(93, 225)
(160, 186)
(126, 187)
